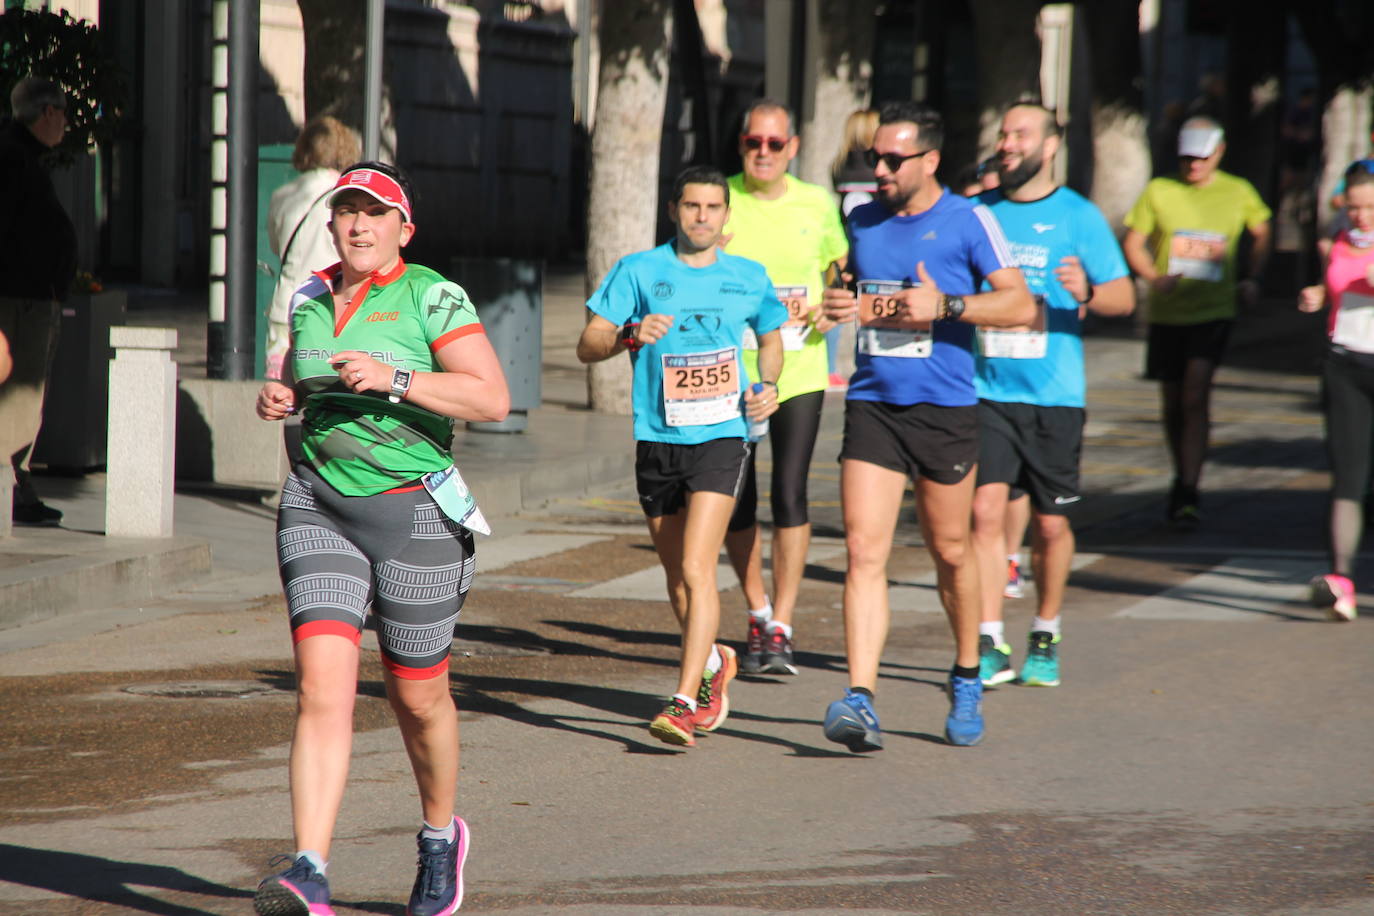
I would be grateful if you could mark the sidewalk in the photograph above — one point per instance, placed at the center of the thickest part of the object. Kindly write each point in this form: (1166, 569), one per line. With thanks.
(222, 532)
(224, 542)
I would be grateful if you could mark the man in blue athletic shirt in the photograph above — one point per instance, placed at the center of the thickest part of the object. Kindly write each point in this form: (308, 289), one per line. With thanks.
(1031, 386)
(919, 254)
(680, 310)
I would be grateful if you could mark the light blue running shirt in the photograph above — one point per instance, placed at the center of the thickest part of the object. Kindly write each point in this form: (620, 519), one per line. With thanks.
(1041, 234)
(687, 386)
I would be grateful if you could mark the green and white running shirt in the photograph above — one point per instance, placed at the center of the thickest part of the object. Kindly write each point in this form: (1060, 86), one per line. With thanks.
(363, 444)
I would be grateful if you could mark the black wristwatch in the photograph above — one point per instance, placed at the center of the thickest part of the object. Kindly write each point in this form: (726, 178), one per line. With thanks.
(629, 336)
(952, 308)
(400, 384)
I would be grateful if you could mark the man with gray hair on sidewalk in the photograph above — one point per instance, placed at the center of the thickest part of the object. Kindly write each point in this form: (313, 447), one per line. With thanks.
(37, 263)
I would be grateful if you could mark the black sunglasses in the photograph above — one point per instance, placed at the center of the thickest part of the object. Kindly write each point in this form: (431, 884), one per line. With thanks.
(893, 161)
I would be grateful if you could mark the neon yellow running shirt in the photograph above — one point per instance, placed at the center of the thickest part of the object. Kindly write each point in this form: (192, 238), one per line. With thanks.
(795, 238)
(1193, 232)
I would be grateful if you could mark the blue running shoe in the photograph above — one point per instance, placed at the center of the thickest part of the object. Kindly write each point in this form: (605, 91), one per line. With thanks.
(1041, 668)
(853, 723)
(994, 662)
(964, 724)
(438, 887)
(298, 891)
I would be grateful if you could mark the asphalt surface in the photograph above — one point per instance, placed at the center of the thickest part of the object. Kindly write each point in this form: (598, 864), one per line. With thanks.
(1208, 752)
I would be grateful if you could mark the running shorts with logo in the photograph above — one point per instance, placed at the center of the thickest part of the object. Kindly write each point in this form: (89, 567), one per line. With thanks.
(666, 473)
(1032, 448)
(795, 237)
(925, 440)
(1194, 232)
(395, 551)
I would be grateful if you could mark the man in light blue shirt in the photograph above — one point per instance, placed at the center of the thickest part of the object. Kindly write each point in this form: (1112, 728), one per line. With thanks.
(1031, 386)
(681, 310)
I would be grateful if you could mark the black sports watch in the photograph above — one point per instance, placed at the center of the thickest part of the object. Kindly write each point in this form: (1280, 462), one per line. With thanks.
(400, 384)
(953, 308)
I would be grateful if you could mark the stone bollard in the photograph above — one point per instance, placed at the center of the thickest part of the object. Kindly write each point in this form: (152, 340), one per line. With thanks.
(140, 467)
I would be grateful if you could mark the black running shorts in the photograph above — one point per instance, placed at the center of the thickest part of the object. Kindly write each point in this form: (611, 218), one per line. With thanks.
(666, 472)
(1171, 346)
(938, 443)
(1033, 448)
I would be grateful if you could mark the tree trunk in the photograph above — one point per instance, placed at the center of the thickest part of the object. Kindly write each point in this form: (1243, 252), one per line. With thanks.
(843, 75)
(1008, 64)
(1341, 38)
(1121, 145)
(335, 66)
(622, 207)
(1253, 73)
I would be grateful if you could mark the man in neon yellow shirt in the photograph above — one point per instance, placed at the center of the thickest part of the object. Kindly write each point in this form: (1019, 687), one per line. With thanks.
(793, 229)
(1182, 238)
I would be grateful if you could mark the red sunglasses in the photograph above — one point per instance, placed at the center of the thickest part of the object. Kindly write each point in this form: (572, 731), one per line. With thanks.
(755, 141)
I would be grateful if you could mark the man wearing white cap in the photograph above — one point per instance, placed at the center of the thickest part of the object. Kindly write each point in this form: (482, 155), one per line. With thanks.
(1182, 238)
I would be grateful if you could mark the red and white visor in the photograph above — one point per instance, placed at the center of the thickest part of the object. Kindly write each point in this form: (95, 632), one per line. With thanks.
(375, 184)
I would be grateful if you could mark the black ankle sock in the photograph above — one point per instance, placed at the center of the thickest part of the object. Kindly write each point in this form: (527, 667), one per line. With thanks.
(969, 673)
(864, 690)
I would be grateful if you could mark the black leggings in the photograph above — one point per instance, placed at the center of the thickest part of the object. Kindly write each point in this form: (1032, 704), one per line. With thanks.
(792, 433)
(1348, 391)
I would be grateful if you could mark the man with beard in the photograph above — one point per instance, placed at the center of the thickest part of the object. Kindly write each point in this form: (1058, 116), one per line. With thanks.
(1194, 224)
(920, 254)
(1031, 385)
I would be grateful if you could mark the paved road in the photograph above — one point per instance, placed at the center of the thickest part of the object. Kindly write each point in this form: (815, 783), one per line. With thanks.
(1208, 752)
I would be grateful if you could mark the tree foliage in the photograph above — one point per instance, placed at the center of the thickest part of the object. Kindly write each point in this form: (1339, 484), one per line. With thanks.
(69, 52)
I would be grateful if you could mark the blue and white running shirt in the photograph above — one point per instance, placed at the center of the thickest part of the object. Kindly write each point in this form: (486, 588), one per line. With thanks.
(960, 244)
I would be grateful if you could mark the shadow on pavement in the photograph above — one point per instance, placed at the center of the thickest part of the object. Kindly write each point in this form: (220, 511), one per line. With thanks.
(96, 879)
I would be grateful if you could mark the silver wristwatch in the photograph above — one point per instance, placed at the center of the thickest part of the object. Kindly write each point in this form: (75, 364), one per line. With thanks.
(400, 384)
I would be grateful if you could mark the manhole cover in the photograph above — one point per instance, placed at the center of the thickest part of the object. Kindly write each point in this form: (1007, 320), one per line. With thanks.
(199, 690)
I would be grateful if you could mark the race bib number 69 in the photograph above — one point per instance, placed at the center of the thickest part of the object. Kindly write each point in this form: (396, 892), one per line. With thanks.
(881, 332)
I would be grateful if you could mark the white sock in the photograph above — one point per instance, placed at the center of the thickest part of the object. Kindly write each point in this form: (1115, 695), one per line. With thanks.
(315, 859)
(779, 625)
(686, 699)
(1014, 558)
(995, 629)
(1039, 625)
(715, 661)
(763, 614)
(447, 834)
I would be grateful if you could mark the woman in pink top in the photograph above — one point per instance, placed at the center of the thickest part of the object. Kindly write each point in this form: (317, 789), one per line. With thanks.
(1348, 385)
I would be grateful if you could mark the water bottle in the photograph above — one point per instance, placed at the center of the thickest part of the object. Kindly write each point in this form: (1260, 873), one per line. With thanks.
(758, 428)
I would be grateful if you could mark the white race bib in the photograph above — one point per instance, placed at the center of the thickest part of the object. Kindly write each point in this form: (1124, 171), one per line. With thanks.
(451, 494)
(1354, 328)
(1197, 255)
(701, 389)
(1030, 342)
(880, 332)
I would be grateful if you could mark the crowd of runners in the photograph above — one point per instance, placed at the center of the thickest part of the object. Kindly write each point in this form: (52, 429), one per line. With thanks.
(967, 310)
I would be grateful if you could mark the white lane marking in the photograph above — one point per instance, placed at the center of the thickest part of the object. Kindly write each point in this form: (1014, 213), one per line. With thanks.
(648, 585)
(919, 595)
(1239, 589)
(494, 555)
